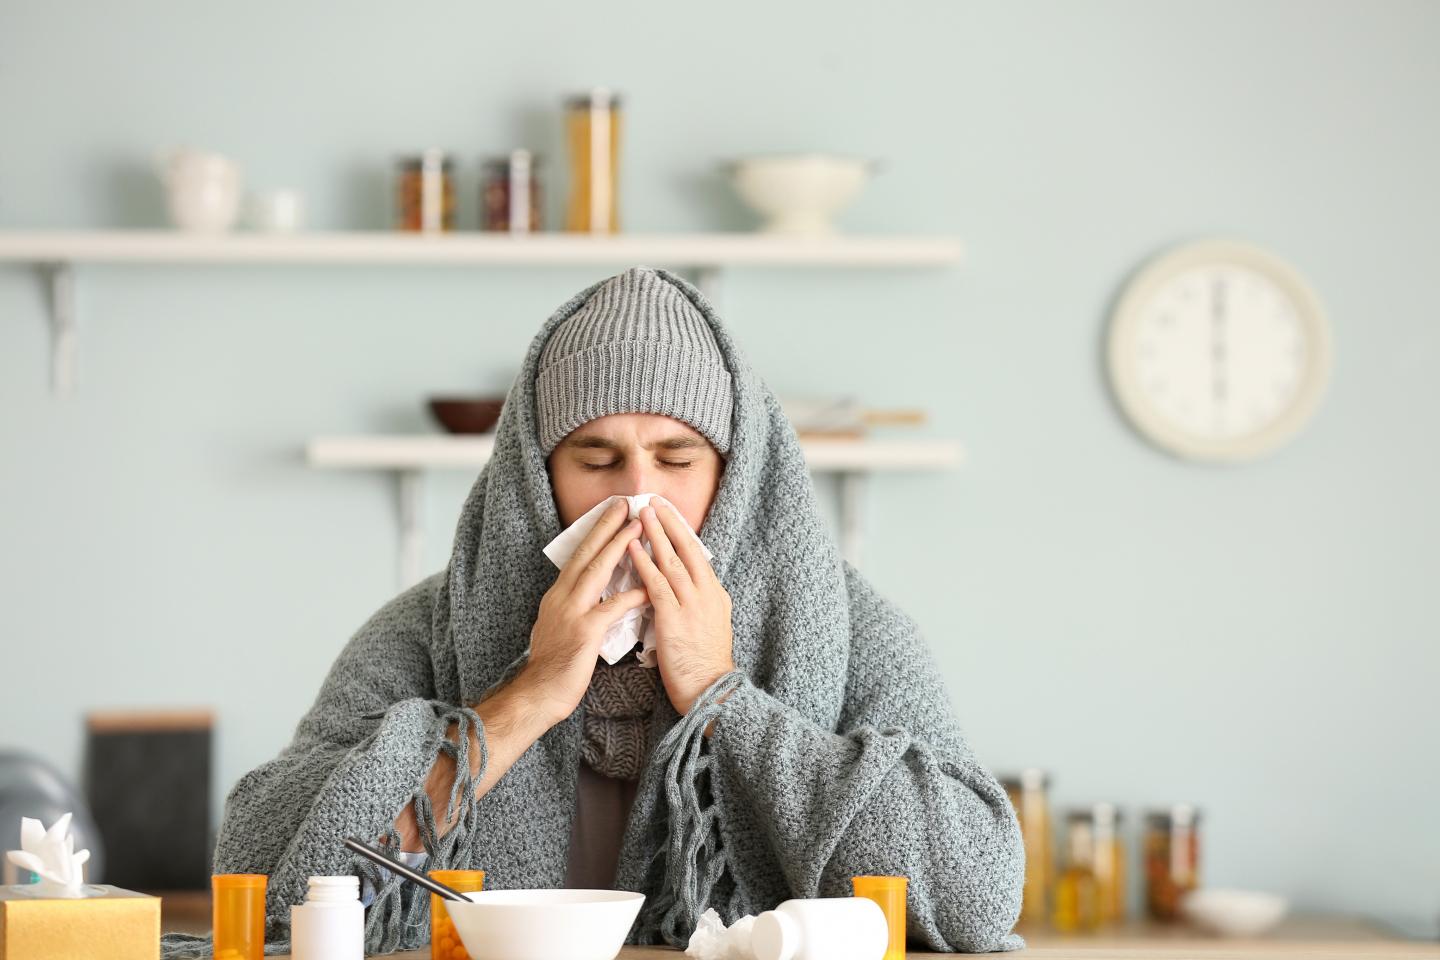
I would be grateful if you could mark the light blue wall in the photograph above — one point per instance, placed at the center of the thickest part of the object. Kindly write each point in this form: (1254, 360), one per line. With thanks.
(1259, 640)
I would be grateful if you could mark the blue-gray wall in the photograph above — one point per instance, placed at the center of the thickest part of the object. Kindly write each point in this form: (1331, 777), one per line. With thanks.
(1259, 640)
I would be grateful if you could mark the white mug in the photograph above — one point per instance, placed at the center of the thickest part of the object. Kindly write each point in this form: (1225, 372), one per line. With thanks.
(203, 189)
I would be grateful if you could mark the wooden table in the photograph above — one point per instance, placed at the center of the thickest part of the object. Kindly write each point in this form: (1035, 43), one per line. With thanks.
(1309, 937)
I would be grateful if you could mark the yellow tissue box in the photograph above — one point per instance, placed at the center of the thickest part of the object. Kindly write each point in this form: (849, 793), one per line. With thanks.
(114, 925)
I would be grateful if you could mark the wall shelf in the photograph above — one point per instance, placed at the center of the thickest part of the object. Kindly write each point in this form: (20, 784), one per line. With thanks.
(56, 254)
(410, 456)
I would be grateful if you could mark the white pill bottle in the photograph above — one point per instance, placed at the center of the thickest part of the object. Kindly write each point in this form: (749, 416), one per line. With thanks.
(821, 928)
(330, 924)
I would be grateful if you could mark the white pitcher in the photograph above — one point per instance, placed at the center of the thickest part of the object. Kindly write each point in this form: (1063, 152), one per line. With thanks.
(203, 189)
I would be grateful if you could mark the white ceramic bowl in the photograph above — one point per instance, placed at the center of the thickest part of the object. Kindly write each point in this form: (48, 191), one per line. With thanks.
(1233, 913)
(545, 924)
(798, 193)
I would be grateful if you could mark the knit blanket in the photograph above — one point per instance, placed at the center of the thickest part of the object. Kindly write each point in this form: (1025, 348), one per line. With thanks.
(836, 753)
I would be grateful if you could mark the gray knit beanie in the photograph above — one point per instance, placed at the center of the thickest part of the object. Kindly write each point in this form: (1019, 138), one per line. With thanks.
(637, 345)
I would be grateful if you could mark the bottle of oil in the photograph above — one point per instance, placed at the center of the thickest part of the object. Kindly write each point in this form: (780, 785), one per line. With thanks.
(1077, 893)
(1028, 795)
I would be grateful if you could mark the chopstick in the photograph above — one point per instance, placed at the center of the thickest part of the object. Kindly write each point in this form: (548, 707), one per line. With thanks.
(414, 876)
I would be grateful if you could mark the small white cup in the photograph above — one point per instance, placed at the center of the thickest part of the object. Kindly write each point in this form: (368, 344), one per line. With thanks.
(276, 211)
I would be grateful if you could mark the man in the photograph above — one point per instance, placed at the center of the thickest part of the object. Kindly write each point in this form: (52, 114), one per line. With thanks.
(793, 731)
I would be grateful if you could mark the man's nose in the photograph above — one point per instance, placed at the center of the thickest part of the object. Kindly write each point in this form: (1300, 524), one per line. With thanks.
(641, 478)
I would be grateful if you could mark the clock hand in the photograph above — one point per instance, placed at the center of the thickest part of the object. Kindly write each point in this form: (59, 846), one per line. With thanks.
(1217, 348)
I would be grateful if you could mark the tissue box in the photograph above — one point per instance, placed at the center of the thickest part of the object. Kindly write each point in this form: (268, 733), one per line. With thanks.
(114, 925)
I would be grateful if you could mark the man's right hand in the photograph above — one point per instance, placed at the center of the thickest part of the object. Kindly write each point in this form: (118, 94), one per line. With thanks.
(572, 620)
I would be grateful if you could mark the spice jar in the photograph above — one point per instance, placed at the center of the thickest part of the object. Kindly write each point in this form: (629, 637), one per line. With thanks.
(1032, 807)
(1172, 858)
(592, 132)
(510, 193)
(425, 192)
(1090, 889)
(1109, 862)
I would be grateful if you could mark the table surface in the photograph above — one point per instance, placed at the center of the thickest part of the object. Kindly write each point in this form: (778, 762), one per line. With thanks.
(1312, 937)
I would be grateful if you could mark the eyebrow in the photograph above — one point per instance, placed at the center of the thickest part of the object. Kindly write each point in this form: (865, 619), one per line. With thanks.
(678, 442)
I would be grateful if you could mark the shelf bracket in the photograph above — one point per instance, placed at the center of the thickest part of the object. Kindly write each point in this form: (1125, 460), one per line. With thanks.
(64, 332)
(852, 520)
(412, 527)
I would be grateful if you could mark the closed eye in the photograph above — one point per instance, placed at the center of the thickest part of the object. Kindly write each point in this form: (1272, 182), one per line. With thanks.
(678, 464)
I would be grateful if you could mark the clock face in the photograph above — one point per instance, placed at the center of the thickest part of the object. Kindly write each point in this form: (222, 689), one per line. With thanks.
(1218, 352)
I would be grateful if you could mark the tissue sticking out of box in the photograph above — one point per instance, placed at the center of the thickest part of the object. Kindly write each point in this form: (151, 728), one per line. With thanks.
(51, 856)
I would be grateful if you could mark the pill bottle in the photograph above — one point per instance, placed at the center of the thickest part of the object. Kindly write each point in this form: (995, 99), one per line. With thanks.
(238, 915)
(889, 893)
(330, 924)
(444, 939)
(821, 928)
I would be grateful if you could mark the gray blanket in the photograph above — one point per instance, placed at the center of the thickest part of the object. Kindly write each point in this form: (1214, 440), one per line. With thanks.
(837, 752)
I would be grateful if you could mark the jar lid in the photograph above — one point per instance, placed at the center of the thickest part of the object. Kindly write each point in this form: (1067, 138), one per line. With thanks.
(513, 158)
(1031, 778)
(1103, 813)
(1179, 815)
(417, 161)
(594, 97)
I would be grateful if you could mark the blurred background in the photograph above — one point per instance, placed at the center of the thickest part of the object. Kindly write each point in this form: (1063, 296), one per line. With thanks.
(1241, 627)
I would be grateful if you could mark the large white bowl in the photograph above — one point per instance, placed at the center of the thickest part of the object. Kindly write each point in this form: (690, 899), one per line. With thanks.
(799, 193)
(545, 924)
(1233, 913)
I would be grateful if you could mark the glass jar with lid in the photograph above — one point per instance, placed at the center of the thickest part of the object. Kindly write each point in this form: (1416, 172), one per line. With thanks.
(510, 193)
(1075, 902)
(1172, 858)
(1028, 794)
(1111, 877)
(592, 134)
(425, 192)
(1090, 887)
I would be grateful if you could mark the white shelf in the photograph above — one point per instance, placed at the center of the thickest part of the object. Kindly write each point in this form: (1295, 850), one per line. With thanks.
(56, 253)
(500, 249)
(410, 456)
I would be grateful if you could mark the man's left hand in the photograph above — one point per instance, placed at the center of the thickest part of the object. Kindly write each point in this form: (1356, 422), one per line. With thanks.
(693, 639)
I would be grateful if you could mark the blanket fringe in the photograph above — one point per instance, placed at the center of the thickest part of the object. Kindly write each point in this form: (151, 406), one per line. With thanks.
(399, 908)
(694, 858)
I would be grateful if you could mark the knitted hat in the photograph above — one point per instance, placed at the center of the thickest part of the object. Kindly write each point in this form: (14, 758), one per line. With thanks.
(638, 345)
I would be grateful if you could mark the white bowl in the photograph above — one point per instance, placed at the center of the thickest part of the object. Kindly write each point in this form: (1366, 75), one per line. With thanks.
(798, 193)
(1233, 913)
(545, 924)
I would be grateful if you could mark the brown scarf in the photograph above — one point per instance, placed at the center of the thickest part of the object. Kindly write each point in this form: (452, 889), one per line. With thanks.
(618, 703)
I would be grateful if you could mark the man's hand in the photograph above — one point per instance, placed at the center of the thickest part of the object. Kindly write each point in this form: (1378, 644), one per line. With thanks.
(693, 638)
(572, 621)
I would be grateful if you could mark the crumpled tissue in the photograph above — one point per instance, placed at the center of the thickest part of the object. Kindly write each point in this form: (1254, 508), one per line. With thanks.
(712, 941)
(51, 856)
(637, 625)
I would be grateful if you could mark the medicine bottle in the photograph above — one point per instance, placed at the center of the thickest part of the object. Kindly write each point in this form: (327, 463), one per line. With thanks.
(330, 924)
(821, 928)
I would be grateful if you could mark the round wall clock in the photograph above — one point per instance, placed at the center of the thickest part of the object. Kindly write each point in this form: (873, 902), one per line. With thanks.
(1218, 351)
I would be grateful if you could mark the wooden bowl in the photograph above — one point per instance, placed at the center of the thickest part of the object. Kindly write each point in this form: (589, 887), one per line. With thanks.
(466, 414)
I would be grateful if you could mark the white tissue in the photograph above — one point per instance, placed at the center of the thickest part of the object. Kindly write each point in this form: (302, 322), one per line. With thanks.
(50, 855)
(711, 941)
(637, 625)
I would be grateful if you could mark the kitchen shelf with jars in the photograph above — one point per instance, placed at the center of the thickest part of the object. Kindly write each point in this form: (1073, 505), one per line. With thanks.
(796, 194)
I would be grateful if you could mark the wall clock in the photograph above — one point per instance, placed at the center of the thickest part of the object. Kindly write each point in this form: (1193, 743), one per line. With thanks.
(1218, 351)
